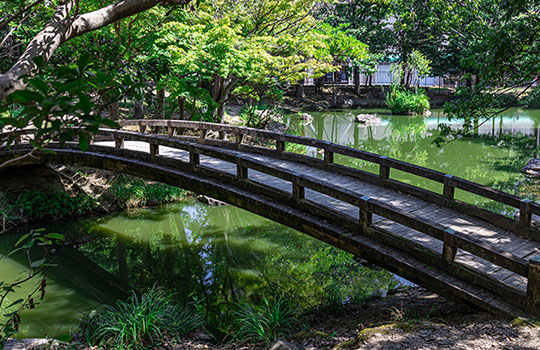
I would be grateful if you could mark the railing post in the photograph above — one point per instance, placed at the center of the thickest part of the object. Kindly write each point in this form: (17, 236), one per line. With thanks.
(118, 142)
(328, 156)
(239, 138)
(384, 170)
(525, 215)
(202, 136)
(448, 190)
(142, 128)
(241, 172)
(533, 285)
(365, 216)
(449, 247)
(194, 158)
(154, 149)
(170, 129)
(299, 192)
(280, 146)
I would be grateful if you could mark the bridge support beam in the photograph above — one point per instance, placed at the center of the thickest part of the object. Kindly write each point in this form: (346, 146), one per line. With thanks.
(533, 285)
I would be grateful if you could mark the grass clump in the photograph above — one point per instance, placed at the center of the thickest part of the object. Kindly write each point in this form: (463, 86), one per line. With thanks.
(141, 323)
(265, 323)
(402, 101)
(130, 192)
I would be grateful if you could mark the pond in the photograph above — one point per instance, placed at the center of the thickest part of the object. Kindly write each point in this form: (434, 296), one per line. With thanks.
(221, 255)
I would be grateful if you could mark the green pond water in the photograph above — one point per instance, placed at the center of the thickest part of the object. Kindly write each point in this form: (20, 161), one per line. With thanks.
(221, 255)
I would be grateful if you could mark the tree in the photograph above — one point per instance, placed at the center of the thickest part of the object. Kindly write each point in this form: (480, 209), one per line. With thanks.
(67, 22)
(420, 65)
(225, 49)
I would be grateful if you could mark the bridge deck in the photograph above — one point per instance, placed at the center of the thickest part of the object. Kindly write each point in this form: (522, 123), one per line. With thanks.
(476, 229)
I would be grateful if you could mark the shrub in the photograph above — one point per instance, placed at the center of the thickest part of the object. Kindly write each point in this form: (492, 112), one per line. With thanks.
(264, 323)
(402, 101)
(141, 323)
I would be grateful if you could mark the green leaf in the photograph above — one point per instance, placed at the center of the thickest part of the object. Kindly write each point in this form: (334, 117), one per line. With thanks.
(57, 236)
(39, 85)
(84, 61)
(64, 338)
(25, 96)
(23, 237)
(38, 61)
(83, 143)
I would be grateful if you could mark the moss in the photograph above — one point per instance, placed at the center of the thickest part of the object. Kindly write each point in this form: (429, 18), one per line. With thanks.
(311, 334)
(347, 344)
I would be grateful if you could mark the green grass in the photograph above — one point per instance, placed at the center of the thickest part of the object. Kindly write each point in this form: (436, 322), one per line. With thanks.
(141, 323)
(265, 323)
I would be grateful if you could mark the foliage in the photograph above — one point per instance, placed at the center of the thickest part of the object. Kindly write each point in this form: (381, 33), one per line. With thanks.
(420, 65)
(130, 192)
(36, 205)
(264, 323)
(63, 103)
(37, 269)
(226, 49)
(141, 322)
(402, 101)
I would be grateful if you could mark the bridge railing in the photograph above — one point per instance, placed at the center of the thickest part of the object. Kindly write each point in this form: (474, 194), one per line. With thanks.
(526, 207)
(367, 207)
(451, 239)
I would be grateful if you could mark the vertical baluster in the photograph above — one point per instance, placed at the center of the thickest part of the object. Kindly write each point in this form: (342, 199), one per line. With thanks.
(280, 146)
(384, 170)
(533, 285)
(449, 246)
(525, 215)
(448, 190)
(328, 156)
(299, 192)
(365, 216)
(154, 149)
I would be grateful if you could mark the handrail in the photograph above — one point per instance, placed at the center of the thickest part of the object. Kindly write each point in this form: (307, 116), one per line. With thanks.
(450, 182)
(452, 239)
(367, 206)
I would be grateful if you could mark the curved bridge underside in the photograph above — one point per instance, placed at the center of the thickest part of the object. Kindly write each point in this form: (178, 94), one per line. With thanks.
(452, 248)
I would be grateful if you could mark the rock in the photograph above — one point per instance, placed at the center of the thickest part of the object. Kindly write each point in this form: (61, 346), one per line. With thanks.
(532, 168)
(276, 126)
(307, 117)
(210, 201)
(31, 344)
(285, 345)
(368, 119)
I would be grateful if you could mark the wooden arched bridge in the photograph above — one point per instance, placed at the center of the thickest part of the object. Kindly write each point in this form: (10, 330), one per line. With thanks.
(453, 248)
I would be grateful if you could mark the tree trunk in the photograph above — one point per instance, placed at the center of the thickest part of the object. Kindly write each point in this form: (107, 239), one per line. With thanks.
(138, 109)
(356, 77)
(299, 93)
(320, 83)
(181, 107)
(160, 103)
(114, 111)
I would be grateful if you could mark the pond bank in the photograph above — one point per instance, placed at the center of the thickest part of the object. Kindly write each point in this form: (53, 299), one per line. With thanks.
(409, 319)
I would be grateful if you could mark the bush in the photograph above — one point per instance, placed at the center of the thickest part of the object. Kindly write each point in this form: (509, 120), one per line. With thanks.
(402, 101)
(130, 192)
(533, 100)
(264, 323)
(141, 323)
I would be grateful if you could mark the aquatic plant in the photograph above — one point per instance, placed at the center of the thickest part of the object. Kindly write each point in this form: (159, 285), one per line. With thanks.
(264, 323)
(141, 322)
(402, 101)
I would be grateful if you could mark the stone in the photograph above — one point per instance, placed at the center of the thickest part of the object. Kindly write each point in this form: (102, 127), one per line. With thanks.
(31, 344)
(276, 126)
(532, 168)
(285, 345)
(368, 119)
(307, 117)
(210, 201)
